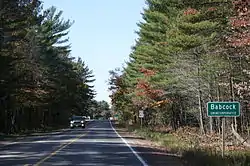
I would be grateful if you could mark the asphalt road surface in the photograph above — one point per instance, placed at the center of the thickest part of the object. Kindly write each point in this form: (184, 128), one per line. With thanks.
(96, 145)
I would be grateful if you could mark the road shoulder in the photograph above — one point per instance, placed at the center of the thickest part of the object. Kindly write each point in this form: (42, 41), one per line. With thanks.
(151, 152)
(7, 140)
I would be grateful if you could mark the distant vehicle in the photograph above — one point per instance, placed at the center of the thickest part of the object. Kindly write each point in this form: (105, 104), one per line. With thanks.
(77, 121)
(88, 118)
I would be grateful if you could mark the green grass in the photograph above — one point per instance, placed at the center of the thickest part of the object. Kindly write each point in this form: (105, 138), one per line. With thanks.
(168, 140)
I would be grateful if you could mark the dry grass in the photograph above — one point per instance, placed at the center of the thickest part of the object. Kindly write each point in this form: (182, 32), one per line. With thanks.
(194, 148)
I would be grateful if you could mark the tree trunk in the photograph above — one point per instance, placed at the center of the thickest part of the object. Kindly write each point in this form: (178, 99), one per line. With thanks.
(232, 99)
(200, 101)
(232, 90)
(201, 116)
(210, 118)
(181, 115)
(1, 4)
(173, 118)
(218, 99)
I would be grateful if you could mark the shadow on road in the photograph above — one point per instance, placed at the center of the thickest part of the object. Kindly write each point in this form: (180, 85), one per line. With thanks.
(100, 147)
(82, 153)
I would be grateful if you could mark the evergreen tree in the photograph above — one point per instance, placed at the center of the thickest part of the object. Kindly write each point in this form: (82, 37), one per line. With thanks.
(189, 52)
(40, 83)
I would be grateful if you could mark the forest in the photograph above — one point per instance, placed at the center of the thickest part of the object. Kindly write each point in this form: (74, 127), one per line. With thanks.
(187, 54)
(41, 83)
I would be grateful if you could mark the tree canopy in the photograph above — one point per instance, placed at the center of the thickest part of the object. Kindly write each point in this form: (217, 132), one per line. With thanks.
(41, 84)
(188, 53)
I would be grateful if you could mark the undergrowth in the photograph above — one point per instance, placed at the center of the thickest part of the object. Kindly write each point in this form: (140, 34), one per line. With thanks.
(193, 154)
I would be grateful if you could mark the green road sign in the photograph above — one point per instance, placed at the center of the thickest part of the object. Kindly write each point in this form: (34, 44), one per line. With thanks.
(223, 109)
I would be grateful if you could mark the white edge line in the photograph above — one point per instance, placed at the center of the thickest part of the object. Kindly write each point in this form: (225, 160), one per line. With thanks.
(134, 152)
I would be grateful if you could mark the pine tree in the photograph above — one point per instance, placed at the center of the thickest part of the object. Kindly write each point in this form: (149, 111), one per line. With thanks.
(40, 83)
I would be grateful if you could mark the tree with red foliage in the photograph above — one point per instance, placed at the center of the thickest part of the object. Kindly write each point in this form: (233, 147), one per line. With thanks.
(190, 11)
(240, 24)
(145, 92)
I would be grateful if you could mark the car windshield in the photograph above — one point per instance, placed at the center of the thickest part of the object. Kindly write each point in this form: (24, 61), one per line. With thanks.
(77, 118)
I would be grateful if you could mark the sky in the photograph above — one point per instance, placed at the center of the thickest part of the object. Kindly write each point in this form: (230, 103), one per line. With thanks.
(102, 35)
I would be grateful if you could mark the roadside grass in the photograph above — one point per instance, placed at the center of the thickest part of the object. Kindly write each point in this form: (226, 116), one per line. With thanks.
(190, 150)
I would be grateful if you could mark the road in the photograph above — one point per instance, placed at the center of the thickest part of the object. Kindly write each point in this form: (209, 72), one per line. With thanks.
(98, 144)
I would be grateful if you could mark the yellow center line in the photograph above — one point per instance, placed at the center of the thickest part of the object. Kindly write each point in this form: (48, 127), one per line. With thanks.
(60, 148)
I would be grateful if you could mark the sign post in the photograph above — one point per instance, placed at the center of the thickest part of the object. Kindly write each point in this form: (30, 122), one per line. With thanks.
(141, 115)
(223, 109)
(223, 137)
